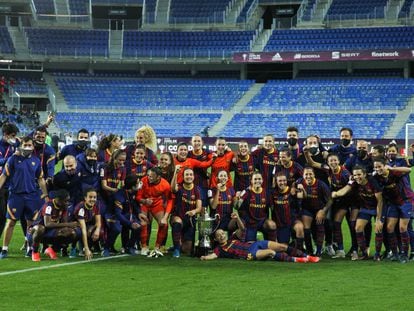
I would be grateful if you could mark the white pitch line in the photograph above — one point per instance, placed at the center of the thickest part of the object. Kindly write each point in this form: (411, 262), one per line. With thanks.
(61, 265)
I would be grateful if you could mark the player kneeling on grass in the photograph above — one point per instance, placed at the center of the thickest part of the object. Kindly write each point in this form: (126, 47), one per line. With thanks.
(87, 213)
(128, 214)
(236, 248)
(187, 205)
(52, 226)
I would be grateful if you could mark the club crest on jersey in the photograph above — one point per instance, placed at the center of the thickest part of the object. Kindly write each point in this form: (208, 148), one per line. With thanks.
(192, 197)
(33, 163)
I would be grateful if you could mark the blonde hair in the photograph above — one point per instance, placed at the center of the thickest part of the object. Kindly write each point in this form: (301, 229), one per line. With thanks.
(149, 135)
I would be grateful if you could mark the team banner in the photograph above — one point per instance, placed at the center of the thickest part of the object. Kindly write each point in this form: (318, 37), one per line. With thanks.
(325, 56)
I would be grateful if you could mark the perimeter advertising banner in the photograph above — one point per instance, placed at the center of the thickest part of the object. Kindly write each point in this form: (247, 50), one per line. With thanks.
(325, 56)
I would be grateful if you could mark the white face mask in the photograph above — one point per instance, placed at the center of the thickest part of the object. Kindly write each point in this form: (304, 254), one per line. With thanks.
(26, 152)
(11, 141)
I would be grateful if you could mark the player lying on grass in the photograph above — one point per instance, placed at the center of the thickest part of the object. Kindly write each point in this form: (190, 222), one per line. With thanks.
(236, 248)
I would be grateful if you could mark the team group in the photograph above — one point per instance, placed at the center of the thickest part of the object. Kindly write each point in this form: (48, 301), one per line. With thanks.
(297, 197)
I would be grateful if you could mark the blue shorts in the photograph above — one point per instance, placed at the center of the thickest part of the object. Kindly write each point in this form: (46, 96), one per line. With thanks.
(366, 214)
(400, 211)
(264, 244)
(28, 205)
(309, 213)
(188, 231)
(251, 232)
(283, 234)
(50, 235)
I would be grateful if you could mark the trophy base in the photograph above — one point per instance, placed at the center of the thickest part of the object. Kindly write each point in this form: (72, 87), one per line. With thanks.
(202, 251)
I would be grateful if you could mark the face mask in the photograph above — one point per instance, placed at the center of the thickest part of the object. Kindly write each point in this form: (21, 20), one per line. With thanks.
(91, 163)
(292, 141)
(362, 153)
(392, 157)
(38, 143)
(11, 141)
(71, 172)
(345, 142)
(82, 144)
(26, 152)
(313, 150)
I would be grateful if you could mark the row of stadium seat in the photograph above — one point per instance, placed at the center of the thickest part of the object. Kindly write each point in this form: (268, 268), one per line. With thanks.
(6, 43)
(350, 9)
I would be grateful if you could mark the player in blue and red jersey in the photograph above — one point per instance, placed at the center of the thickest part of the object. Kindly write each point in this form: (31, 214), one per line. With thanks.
(266, 158)
(237, 248)
(286, 213)
(398, 201)
(201, 178)
(145, 135)
(8, 145)
(27, 189)
(369, 192)
(107, 147)
(253, 206)
(222, 199)
(53, 226)
(316, 202)
(243, 166)
(112, 179)
(128, 215)
(138, 165)
(292, 170)
(186, 206)
(88, 215)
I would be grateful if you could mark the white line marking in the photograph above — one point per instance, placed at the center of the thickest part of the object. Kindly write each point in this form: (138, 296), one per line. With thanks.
(61, 265)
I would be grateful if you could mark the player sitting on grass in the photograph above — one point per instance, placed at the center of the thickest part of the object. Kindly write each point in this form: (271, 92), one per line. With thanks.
(236, 248)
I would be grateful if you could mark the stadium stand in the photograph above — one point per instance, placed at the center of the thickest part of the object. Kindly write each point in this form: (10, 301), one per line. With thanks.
(44, 7)
(144, 94)
(356, 9)
(30, 86)
(6, 43)
(325, 125)
(334, 94)
(67, 41)
(185, 43)
(164, 124)
(405, 9)
(346, 38)
(189, 11)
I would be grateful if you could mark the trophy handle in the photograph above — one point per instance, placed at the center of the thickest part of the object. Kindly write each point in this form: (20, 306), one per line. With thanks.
(217, 217)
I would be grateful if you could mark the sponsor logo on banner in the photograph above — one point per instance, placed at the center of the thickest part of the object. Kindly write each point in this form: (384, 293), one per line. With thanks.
(244, 56)
(277, 57)
(385, 54)
(412, 53)
(306, 56)
(336, 55)
(255, 56)
(350, 54)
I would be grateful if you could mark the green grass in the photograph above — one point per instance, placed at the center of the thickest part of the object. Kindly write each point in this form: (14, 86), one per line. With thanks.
(137, 283)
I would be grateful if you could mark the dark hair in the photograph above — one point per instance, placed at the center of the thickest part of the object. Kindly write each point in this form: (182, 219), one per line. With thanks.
(106, 141)
(346, 129)
(61, 194)
(307, 167)
(359, 167)
(130, 181)
(156, 170)
(41, 128)
(141, 146)
(87, 190)
(380, 160)
(83, 130)
(25, 139)
(292, 129)
(286, 150)
(168, 174)
(90, 151)
(379, 148)
(182, 144)
(9, 128)
(332, 155)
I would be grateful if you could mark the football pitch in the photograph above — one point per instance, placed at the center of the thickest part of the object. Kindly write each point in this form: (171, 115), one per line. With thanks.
(139, 283)
(136, 283)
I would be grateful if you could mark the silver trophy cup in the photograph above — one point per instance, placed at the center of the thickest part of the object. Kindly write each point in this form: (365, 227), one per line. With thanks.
(206, 228)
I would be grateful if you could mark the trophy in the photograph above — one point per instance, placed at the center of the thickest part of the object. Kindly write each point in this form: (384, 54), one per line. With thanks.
(205, 225)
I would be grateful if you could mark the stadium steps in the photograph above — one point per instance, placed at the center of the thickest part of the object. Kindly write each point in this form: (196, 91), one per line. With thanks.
(238, 108)
(163, 10)
(62, 11)
(261, 40)
(400, 120)
(115, 44)
(19, 42)
(318, 15)
(61, 104)
(393, 9)
(235, 11)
